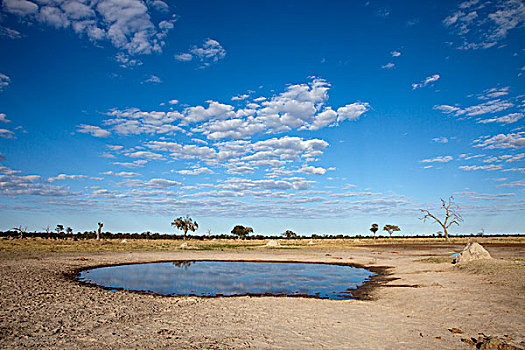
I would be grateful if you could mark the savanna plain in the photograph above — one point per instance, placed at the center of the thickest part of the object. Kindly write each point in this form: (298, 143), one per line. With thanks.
(419, 300)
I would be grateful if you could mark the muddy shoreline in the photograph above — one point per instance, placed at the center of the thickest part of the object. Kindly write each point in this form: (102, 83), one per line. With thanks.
(362, 292)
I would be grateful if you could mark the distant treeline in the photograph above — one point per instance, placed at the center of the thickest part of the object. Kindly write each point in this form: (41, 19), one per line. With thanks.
(153, 236)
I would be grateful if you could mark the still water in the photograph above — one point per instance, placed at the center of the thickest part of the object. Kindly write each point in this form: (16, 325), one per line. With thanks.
(226, 278)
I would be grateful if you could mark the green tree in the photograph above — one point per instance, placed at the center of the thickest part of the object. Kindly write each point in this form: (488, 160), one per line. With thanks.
(69, 230)
(241, 231)
(185, 224)
(59, 228)
(289, 234)
(451, 215)
(374, 229)
(391, 229)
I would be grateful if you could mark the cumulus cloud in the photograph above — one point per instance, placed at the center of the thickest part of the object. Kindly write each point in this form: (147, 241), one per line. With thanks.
(126, 61)
(122, 173)
(161, 183)
(395, 53)
(439, 159)
(127, 24)
(71, 177)
(93, 130)
(11, 185)
(428, 80)
(440, 139)
(482, 25)
(512, 140)
(195, 171)
(210, 52)
(133, 121)
(490, 167)
(506, 119)
(492, 104)
(389, 65)
(300, 106)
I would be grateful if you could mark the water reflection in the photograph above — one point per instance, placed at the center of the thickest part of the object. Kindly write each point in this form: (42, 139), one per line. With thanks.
(226, 278)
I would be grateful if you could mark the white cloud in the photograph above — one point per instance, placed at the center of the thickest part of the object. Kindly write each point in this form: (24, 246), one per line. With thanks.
(439, 159)
(4, 81)
(93, 130)
(161, 183)
(7, 134)
(153, 79)
(492, 104)
(126, 61)
(440, 139)
(134, 122)
(484, 25)
(196, 171)
(490, 167)
(173, 102)
(312, 170)
(395, 53)
(428, 80)
(121, 174)
(8, 33)
(184, 57)
(71, 177)
(352, 111)
(507, 119)
(494, 93)
(512, 140)
(127, 24)
(145, 154)
(389, 65)
(3, 118)
(300, 106)
(210, 52)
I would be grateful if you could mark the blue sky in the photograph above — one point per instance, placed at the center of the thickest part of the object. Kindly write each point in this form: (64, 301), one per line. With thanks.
(319, 117)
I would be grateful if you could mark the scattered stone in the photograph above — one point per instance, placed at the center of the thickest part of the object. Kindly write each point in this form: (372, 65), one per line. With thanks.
(311, 242)
(124, 241)
(486, 342)
(184, 245)
(455, 330)
(472, 251)
(272, 243)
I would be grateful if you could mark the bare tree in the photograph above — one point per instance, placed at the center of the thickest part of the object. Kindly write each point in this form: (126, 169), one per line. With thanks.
(391, 229)
(451, 215)
(185, 224)
(99, 230)
(21, 230)
(374, 229)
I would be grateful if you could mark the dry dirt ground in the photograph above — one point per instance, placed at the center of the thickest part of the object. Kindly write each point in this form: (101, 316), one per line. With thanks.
(41, 308)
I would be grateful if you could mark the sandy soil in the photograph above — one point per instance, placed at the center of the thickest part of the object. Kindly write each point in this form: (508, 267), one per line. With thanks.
(41, 308)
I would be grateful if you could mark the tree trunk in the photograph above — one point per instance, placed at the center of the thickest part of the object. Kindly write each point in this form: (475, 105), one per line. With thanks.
(446, 234)
(185, 232)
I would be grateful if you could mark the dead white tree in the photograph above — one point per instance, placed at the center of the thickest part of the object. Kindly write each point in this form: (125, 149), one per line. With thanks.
(99, 230)
(451, 215)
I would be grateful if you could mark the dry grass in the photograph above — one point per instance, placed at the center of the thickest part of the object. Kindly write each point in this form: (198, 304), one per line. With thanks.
(436, 260)
(51, 245)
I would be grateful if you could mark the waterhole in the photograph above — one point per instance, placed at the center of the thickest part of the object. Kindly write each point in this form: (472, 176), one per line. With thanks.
(231, 278)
